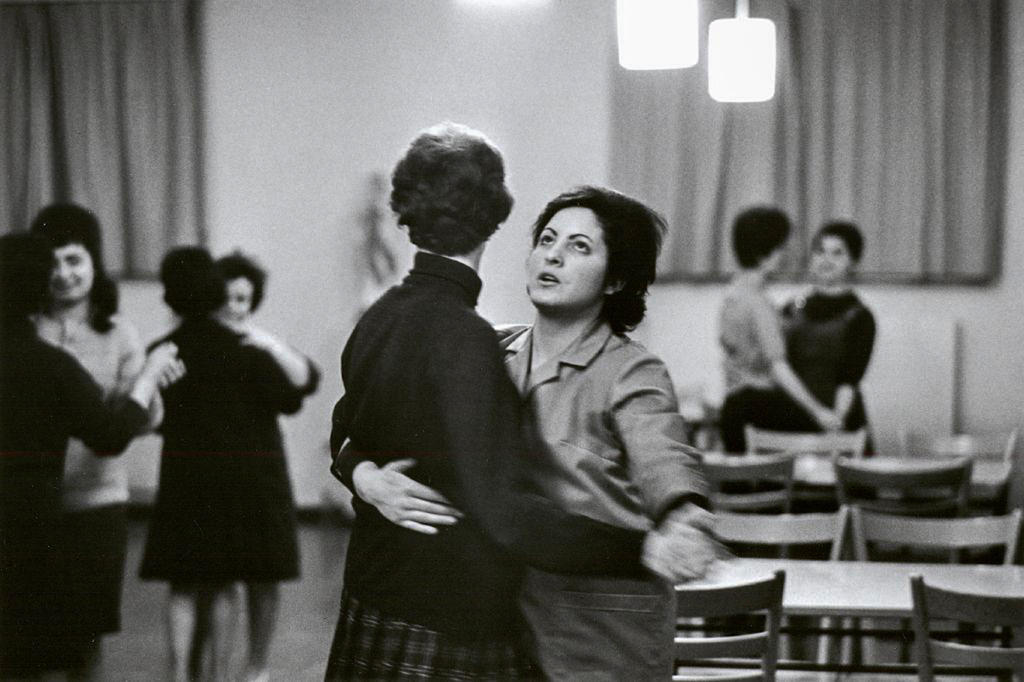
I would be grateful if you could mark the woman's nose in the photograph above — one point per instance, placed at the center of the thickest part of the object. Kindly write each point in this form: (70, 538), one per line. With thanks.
(554, 254)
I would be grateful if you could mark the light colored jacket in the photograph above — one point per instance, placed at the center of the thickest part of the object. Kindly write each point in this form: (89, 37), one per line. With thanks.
(607, 411)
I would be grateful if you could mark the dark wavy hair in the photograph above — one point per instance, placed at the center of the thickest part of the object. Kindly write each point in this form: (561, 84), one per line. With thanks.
(845, 231)
(25, 263)
(193, 285)
(237, 265)
(63, 224)
(632, 233)
(449, 189)
(757, 232)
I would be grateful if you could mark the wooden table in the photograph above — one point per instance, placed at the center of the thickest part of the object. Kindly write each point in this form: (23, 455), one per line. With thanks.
(860, 588)
(988, 476)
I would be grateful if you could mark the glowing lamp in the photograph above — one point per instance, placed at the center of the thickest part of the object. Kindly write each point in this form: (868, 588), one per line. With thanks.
(657, 34)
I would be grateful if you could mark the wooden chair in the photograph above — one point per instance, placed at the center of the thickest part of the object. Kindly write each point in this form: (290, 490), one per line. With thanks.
(933, 603)
(845, 443)
(784, 531)
(997, 446)
(739, 484)
(993, 445)
(953, 535)
(935, 489)
(730, 600)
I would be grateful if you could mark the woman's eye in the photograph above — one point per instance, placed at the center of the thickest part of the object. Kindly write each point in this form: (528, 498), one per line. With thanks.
(545, 239)
(582, 247)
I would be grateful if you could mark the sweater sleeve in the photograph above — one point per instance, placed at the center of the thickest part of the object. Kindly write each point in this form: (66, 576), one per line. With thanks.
(106, 426)
(858, 342)
(488, 445)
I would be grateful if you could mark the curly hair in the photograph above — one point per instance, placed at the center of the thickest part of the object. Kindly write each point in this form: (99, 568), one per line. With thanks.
(63, 224)
(633, 233)
(193, 286)
(449, 189)
(847, 232)
(756, 233)
(25, 262)
(237, 265)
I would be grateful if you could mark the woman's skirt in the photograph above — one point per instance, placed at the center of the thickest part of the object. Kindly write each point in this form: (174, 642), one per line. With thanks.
(369, 645)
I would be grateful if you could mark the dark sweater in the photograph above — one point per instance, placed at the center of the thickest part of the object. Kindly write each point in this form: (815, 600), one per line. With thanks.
(46, 397)
(424, 378)
(829, 339)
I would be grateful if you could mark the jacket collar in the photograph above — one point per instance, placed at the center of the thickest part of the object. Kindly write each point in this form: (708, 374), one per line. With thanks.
(434, 267)
(579, 354)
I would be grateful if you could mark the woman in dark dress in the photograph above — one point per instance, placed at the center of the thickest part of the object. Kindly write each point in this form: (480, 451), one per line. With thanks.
(224, 511)
(47, 397)
(246, 283)
(829, 332)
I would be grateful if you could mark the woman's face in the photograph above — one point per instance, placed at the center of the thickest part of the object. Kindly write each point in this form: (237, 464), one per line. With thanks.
(237, 308)
(830, 261)
(72, 275)
(566, 268)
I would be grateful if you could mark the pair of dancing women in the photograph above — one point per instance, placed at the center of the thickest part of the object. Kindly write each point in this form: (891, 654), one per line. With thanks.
(524, 498)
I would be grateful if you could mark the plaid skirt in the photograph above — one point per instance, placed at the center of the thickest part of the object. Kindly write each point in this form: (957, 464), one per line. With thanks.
(370, 646)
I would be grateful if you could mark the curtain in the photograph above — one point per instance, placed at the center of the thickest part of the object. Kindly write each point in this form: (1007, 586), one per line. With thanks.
(101, 107)
(889, 113)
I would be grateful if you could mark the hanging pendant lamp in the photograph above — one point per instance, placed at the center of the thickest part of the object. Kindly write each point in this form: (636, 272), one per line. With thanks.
(741, 57)
(657, 34)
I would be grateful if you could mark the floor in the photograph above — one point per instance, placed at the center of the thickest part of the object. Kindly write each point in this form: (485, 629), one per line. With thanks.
(309, 608)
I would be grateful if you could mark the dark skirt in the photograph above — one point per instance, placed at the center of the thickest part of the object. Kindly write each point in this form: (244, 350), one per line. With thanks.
(370, 646)
(94, 544)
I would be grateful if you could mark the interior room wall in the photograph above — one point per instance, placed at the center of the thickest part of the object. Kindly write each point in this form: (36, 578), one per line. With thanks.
(305, 99)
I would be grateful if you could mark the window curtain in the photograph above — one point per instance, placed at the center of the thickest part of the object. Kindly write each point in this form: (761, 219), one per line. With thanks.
(101, 107)
(889, 113)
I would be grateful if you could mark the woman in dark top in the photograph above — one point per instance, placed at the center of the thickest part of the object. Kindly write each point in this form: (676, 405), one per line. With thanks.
(245, 282)
(223, 511)
(426, 383)
(46, 397)
(829, 331)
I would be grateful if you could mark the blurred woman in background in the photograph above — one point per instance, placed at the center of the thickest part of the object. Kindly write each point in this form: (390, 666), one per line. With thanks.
(761, 388)
(80, 318)
(829, 331)
(46, 398)
(218, 517)
(245, 282)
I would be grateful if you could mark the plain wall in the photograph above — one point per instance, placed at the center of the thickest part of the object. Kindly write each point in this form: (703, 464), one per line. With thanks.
(305, 100)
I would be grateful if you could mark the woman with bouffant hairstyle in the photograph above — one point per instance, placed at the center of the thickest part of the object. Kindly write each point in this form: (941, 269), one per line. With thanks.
(428, 394)
(214, 522)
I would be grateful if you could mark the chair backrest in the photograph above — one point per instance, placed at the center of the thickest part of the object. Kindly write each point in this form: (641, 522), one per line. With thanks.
(785, 530)
(932, 602)
(925, 489)
(993, 445)
(739, 484)
(760, 596)
(949, 534)
(847, 443)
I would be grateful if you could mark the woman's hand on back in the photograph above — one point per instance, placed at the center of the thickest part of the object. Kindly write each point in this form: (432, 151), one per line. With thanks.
(401, 500)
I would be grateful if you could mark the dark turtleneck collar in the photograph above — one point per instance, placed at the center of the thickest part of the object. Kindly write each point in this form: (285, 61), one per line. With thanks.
(434, 266)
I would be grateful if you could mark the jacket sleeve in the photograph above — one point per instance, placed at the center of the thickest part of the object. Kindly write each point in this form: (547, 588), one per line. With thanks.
(646, 419)
(488, 445)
